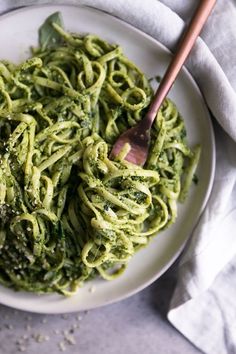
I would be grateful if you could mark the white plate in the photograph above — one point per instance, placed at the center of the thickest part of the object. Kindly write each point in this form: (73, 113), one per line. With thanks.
(18, 32)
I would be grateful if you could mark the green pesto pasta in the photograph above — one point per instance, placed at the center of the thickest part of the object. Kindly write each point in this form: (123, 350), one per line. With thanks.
(67, 212)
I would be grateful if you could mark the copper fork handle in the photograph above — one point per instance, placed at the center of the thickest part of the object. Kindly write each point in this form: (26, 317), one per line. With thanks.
(189, 38)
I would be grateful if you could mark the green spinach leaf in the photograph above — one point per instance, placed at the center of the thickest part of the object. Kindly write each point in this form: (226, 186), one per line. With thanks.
(48, 36)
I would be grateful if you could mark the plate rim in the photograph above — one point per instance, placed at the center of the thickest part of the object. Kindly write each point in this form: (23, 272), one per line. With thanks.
(12, 12)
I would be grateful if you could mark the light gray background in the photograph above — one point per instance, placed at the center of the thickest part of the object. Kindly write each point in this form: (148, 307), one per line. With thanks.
(136, 325)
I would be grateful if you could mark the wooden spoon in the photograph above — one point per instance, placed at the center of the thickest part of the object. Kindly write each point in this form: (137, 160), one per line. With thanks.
(138, 137)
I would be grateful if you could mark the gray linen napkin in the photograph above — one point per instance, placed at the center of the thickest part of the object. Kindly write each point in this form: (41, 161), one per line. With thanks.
(203, 302)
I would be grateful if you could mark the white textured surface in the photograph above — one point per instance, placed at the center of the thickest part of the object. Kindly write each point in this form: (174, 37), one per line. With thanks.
(132, 326)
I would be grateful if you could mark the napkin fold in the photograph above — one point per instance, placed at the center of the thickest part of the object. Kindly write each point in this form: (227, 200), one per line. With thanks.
(201, 306)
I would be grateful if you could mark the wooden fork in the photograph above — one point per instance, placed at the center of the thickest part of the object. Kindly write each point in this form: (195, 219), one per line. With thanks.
(138, 137)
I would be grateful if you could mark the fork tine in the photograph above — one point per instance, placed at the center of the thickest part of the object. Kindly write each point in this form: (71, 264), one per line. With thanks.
(138, 139)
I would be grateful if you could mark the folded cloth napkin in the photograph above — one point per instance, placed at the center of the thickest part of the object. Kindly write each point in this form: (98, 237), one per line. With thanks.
(202, 306)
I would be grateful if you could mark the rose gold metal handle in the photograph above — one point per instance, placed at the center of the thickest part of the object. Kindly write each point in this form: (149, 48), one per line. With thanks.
(189, 38)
